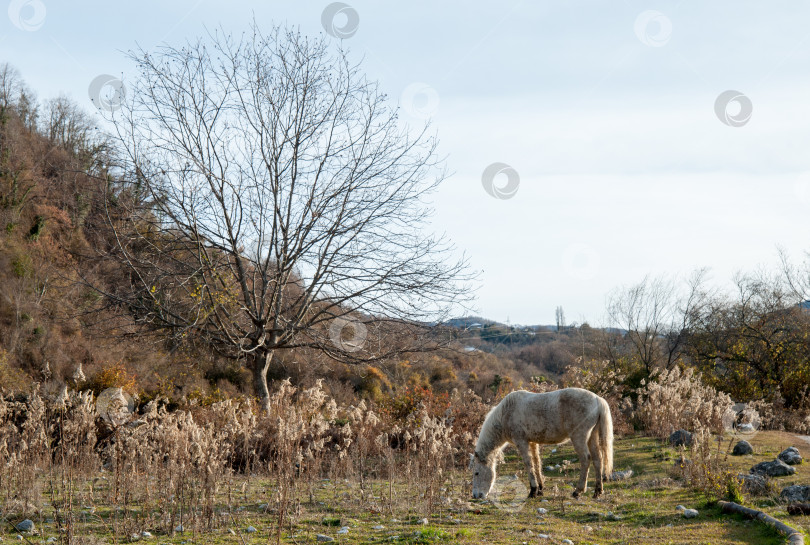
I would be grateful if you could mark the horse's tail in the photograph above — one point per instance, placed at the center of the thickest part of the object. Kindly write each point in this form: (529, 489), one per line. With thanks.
(605, 424)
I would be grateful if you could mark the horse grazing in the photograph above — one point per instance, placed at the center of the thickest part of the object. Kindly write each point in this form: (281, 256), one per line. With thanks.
(528, 420)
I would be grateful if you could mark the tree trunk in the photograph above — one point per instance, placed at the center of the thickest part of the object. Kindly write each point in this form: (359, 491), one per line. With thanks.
(259, 364)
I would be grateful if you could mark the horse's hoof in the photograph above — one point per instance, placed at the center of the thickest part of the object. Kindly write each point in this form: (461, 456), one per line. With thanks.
(533, 492)
(596, 495)
(576, 493)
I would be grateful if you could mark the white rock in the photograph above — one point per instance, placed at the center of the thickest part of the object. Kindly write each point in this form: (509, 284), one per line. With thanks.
(379, 527)
(343, 531)
(179, 528)
(321, 537)
(146, 534)
(542, 510)
(250, 530)
(689, 513)
(567, 542)
(423, 521)
(679, 507)
(543, 536)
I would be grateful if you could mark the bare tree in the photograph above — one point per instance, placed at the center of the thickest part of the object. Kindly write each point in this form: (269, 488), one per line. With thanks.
(11, 86)
(796, 277)
(560, 318)
(754, 343)
(66, 125)
(655, 318)
(273, 202)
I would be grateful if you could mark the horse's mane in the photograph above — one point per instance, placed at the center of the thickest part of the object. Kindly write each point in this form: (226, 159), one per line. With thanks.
(489, 437)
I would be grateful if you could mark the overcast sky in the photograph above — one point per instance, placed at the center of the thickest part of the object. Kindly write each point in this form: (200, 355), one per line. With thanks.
(605, 114)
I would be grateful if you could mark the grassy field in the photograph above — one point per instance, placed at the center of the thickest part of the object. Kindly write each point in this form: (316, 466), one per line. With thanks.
(643, 508)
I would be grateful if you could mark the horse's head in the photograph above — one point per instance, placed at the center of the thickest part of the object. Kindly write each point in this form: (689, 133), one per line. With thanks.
(483, 475)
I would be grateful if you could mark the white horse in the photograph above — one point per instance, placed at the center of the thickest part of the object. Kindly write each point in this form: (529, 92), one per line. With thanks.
(528, 420)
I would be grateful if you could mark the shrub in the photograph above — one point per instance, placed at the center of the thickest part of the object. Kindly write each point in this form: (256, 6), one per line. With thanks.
(678, 399)
(113, 376)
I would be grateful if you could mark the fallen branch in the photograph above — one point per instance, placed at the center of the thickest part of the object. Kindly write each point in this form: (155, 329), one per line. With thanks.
(794, 536)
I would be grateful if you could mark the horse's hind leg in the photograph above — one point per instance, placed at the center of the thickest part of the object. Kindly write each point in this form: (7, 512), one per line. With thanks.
(538, 466)
(596, 455)
(581, 446)
(523, 448)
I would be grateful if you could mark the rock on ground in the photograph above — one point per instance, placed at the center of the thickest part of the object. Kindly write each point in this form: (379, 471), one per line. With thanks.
(795, 493)
(754, 484)
(682, 462)
(689, 513)
(776, 468)
(321, 537)
(621, 475)
(25, 526)
(742, 448)
(680, 438)
(790, 456)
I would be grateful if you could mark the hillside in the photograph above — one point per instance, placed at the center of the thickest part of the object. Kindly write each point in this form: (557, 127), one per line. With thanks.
(54, 179)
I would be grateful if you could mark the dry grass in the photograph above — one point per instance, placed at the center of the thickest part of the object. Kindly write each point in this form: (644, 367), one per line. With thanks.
(310, 463)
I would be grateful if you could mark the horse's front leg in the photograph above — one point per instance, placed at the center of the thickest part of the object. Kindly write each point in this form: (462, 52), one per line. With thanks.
(523, 447)
(538, 466)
